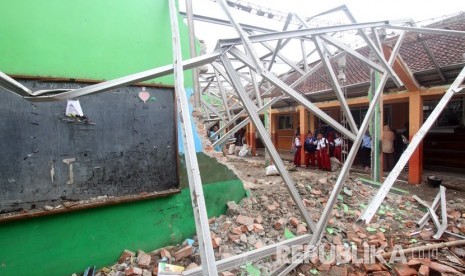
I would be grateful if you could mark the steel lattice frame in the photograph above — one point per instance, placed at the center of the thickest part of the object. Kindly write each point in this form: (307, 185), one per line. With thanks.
(239, 101)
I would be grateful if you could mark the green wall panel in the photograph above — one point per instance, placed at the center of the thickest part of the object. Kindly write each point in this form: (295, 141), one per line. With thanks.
(67, 243)
(84, 39)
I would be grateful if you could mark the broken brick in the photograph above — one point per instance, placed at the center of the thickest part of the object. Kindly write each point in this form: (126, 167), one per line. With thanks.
(423, 271)
(338, 271)
(294, 221)
(132, 271)
(301, 229)
(258, 228)
(236, 230)
(337, 240)
(165, 254)
(271, 208)
(143, 259)
(258, 244)
(279, 224)
(234, 238)
(192, 266)
(381, 236)
(183, 252)
(324, 267)
(259, 219)
(125, 255)
(404, 270)
(250, 228)
(226, 226)
(381, 273)
(216, 242)
(372, 267)
(226, 273)
(245, 220)
(233, 208)
(225, 255)
(351, 235)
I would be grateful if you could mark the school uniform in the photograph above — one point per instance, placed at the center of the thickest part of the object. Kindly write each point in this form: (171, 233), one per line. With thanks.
(366, 151)
(338, 148)
(297, 148)
(310, 151)
(323, 154)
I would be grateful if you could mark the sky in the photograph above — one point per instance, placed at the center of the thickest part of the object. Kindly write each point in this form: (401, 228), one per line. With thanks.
(421, 11)
(363, 10)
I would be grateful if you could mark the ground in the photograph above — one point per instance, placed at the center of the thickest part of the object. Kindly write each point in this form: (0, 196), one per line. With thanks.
(268, 215)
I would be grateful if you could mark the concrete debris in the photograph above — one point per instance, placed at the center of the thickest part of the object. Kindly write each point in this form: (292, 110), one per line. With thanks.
(143, 259)
(262, 218)
(183, 252)
(233, 209)
(125, 256)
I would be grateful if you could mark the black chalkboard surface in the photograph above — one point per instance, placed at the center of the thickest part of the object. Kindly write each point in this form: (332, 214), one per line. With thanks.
(123, 146)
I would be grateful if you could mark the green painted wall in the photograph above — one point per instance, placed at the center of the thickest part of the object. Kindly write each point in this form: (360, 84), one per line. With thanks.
(67, 243)
(84, 39)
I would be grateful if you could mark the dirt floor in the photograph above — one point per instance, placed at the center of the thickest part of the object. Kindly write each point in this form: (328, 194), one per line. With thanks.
(268, 215)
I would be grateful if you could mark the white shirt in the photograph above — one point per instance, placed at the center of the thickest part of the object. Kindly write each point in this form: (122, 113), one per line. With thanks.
(338, 141)
(321, 144)
(297, 142)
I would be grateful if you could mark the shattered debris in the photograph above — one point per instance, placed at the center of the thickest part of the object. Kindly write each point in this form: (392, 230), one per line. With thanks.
(268, 215)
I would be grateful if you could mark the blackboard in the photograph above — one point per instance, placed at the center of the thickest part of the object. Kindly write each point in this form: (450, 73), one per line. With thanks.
(125, 147)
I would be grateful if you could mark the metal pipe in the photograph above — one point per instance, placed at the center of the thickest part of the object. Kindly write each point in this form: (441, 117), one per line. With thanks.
(251, 110)
(193, 172)
(324, 218)
(243, 123)
(303, 32)
(250, 256)
(336, 87)
(244, 38)
(370, 211)
(193, 51)
(124, 81)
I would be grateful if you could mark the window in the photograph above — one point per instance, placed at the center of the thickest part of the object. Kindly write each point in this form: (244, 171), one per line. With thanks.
(285, 122)
(451, 115)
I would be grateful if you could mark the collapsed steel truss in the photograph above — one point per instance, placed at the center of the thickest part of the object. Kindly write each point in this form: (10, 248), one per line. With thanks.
(242, 99)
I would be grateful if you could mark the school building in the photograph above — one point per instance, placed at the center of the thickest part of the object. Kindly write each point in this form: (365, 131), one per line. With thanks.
(427, 65)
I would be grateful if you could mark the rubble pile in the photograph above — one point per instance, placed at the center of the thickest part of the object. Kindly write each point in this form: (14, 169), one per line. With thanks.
(268, 215)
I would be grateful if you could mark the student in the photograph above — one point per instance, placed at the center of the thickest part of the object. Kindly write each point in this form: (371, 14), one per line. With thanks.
(338, 147)
(322, 150)
(366, 151)
(387, 144)
(213, 139)
(296, 147)
(310, 149)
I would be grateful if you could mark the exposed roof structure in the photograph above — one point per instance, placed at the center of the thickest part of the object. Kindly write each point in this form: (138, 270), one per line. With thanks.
(433, 59)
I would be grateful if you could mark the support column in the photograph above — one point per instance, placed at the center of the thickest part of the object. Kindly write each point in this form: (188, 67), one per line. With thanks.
(312, 122)
(415, 170)
(251, 138)
(273, 131)
(303, 118)
(376, 132)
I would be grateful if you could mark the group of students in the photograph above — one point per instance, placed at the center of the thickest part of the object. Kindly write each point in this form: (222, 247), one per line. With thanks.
(317, 150)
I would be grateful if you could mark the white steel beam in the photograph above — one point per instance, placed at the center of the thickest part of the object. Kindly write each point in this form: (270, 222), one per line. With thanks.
(193, 172)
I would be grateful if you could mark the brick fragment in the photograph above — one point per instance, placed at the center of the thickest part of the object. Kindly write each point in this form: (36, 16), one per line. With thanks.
(294, 221)
(125, 255)
(244, 220)
(143, 259)
(133, 271)
(183, 252)
(404, 270)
